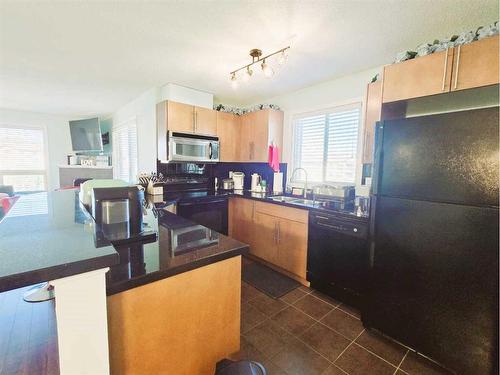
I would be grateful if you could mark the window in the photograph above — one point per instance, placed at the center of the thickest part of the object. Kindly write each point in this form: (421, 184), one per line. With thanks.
(22, 158)
(125, 151)
(325, 144)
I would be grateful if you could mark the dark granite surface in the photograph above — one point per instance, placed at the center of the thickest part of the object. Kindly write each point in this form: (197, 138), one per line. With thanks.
(46, 236)
(173, 197)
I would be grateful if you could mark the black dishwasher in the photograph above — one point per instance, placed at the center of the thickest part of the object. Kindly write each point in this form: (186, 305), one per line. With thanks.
(338, 256)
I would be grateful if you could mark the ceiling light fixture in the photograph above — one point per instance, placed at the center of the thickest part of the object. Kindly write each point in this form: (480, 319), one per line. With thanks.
(234, 81)
(256, 58)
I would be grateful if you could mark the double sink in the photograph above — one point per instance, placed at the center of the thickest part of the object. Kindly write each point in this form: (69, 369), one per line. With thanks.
(294, 200)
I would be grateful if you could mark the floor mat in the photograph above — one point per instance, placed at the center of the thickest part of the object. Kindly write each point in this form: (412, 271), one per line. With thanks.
(267, 280)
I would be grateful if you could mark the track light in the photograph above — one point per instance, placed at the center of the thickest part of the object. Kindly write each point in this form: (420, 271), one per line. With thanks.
(234, 81)
(267, 70)
(256, 58)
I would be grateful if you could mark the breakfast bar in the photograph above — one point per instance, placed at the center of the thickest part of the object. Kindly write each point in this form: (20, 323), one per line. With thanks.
(181, 289)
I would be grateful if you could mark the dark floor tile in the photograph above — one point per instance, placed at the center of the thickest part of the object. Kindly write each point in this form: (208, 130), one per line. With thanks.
(325, 298)
(333, 370)
(415, 364)
(293, 320)
(245, 260)
(298, 359)
(250, 317)
(343, 323)
(248, 292)
(305, 289)
(251, 353)
(293, 296)
(325, 341)
(267, 305)
(382, 346)
(358, 361)
(313, 306)
(269, 337)
(350, 310)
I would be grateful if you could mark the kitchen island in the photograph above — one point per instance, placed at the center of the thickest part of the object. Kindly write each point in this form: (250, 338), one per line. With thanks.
(172, 305)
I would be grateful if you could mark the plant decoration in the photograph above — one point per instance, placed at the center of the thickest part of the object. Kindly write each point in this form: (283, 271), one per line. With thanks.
(454, 41)
(242, 111)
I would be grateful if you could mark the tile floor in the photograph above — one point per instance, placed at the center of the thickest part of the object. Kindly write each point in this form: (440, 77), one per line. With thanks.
(308, 333)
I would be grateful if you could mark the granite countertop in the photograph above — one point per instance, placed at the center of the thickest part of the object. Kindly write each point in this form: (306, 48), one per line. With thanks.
(173, 197)
(47, 236)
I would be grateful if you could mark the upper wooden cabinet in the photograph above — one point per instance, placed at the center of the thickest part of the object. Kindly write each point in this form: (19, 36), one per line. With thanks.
(185, 118)
(422, 76)
(258, 130)
(205, 121)
(476, 64)
(180, 116)
(228, 131)
(459, 68)
(373, 111)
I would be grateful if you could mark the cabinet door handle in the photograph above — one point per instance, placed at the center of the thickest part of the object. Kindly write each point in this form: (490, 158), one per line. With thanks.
(458, 65)
(275, 237)
(445, 69)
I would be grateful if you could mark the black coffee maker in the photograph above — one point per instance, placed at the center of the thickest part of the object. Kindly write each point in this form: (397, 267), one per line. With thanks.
(117, 211)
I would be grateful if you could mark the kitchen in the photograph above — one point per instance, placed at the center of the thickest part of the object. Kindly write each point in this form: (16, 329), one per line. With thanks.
(356, 233)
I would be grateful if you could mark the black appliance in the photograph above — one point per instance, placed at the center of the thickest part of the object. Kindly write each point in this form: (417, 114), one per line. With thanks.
(192, 186)
(434, 249)
(338, 257)
(118, 215)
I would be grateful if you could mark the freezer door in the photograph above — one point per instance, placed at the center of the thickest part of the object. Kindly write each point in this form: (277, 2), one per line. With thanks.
(434, 281)
(452, 157)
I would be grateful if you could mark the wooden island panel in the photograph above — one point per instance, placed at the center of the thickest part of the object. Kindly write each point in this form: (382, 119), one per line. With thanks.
(180, 325)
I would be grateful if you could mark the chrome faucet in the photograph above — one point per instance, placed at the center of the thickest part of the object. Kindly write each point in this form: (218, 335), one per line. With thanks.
(305, 185)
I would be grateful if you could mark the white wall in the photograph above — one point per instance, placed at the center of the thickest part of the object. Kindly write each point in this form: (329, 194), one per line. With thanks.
(58, 137)
(143, 109)
(340, 91)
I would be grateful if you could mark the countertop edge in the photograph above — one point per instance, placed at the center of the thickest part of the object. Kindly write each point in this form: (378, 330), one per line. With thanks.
(157, 276)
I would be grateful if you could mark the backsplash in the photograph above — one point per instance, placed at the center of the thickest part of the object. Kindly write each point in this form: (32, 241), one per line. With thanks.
(221, 171)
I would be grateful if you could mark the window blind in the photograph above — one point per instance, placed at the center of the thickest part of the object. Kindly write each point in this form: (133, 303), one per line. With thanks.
(22, 158)
(125, 151)
(325, 144)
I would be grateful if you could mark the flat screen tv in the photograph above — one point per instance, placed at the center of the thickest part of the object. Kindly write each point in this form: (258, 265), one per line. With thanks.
(86, 135)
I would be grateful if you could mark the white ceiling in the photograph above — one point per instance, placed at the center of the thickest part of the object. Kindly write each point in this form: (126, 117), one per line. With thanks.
(86, 58)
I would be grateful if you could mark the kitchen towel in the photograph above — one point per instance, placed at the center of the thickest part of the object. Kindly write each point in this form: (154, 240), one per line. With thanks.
(274, 159)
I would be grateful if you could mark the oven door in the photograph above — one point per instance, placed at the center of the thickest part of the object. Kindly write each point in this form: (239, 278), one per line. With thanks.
(193, 149)
(211, 213)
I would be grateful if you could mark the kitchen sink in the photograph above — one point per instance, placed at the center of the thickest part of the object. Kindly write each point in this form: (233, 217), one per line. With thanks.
(293, 200)
(283, 198)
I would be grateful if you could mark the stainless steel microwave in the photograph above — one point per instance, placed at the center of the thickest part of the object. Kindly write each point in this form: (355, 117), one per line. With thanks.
(182, 147)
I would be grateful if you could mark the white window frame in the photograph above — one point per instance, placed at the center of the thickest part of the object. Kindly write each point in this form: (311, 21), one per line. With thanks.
(132, 175)
(359, 103)
(45, 172)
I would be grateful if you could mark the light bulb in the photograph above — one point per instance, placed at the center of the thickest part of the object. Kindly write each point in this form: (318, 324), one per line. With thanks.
(282, 58)
(267, 70)
(248, 73)
(234, 81)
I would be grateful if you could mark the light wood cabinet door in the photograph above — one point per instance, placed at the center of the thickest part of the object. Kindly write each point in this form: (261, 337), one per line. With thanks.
(180, 117)
(476, 64)
(422, 76)
(373, 111)
(205, 121)
(259, 141)
(244, 146)
(292, 247)
(228, 131)
(240, 219)
(265, 237)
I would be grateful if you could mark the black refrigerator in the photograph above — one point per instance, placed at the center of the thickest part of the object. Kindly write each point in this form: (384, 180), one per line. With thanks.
(434, 237)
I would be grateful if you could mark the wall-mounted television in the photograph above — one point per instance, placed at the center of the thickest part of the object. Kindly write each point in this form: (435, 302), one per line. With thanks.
(86, 135)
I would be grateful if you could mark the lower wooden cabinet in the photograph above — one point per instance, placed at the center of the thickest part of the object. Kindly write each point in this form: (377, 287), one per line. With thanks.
(276, 234)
